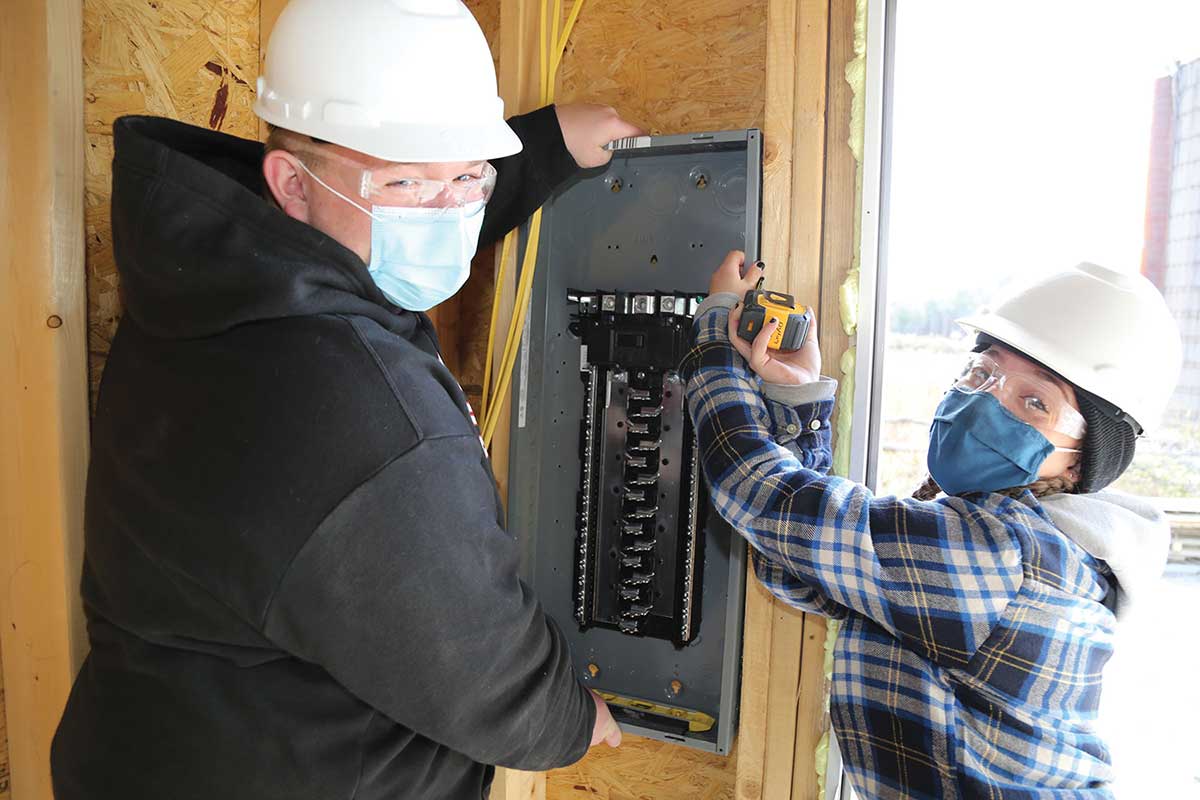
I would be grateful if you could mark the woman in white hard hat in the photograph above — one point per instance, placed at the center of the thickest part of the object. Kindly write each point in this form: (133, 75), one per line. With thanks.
(975, 625)
(298, 582)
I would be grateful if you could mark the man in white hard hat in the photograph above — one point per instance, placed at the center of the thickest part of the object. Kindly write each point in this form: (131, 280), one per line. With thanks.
(297, 579)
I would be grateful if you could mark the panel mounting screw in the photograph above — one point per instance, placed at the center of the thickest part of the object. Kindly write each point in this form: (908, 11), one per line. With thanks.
(615, 185)
(593, 670)
(676, 687)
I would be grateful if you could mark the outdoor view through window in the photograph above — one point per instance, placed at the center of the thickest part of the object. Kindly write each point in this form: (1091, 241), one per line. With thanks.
(1028, 137)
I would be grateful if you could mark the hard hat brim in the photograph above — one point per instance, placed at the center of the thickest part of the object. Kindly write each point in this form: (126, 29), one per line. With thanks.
(407, 142)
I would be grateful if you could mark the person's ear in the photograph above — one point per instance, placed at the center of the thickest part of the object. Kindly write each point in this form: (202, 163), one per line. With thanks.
(1075, 471)
(283, 174)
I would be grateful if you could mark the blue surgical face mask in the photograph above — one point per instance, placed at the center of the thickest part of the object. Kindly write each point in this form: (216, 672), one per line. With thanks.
(422, 256)
(977, 445)
(419, 256)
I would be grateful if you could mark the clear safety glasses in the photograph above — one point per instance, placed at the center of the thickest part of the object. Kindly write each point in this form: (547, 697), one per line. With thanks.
(1034, 400)
(394, 185)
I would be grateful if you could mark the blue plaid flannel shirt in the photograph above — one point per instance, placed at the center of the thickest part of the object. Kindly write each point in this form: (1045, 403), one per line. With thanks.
(974, 631)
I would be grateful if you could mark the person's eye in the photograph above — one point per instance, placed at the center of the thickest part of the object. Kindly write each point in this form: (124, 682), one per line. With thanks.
(402, 183)
(975, 376)
(466, 178)
(1034, 403)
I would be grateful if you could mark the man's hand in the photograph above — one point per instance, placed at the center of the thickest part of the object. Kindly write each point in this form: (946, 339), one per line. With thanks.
(734, 275)
(605, 729)
(790, 369)
(587, 127)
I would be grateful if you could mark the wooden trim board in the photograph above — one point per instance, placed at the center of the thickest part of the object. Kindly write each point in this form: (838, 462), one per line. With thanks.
(43, 364)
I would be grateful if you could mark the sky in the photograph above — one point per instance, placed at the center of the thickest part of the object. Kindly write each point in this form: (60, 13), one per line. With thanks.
(1021, 135)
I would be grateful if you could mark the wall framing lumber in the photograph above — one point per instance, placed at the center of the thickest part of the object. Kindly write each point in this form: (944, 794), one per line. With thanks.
(518, 85)
(43, 361)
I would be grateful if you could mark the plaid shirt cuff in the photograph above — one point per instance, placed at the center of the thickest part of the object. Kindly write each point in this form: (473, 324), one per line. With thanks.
(797, 416)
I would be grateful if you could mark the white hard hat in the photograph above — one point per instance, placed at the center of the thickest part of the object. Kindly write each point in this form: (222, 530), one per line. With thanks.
(1107, 332)
(401, 80)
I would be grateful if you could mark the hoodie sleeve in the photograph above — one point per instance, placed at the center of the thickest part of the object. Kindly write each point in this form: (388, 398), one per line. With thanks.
(525, 180)
(408, 595)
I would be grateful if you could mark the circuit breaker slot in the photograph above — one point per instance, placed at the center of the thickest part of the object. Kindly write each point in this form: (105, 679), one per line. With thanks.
(637, 538)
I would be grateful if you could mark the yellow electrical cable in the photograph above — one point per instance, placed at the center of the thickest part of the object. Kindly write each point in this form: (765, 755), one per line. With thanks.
(555, 21)
(547, 73)
(512, 346)
(543, 44)
(491, 341)
(562, 43)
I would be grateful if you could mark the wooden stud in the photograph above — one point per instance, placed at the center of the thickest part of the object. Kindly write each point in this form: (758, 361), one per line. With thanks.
(518, 83)
(794, 137)
(758, 654)
(43, 397)
(841, 175)
(811, 718)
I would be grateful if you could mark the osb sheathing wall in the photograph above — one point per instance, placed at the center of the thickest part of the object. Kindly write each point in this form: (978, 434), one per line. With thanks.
(185, 59)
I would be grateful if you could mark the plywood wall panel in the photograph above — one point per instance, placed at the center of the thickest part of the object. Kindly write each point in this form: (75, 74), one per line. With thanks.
(185, 59)
(644, 769)
(672, 66)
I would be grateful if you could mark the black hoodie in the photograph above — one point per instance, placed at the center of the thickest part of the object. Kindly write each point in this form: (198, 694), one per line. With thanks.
(297, 581)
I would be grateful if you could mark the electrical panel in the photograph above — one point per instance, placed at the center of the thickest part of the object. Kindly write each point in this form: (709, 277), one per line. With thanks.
(619, 539)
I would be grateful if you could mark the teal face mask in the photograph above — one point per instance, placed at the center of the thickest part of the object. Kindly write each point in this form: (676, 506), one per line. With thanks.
(977, 445)
(419, 256)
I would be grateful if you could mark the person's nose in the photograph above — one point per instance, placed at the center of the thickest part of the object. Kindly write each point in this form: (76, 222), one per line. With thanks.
(446, 198)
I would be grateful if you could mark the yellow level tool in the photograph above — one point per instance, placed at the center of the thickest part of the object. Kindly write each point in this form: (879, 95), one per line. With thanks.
(697, 721)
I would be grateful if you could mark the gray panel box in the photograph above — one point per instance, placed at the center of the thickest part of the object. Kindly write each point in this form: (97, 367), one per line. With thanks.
(658, 218)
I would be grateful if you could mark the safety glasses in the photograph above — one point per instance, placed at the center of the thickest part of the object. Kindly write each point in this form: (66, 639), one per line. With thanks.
(394, 186)
(1033, 399)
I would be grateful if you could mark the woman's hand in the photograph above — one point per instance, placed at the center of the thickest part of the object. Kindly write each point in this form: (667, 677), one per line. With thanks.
(729, 276)
(790, 369)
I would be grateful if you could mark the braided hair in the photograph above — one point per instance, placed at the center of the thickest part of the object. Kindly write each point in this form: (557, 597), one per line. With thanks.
(1044, 487)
